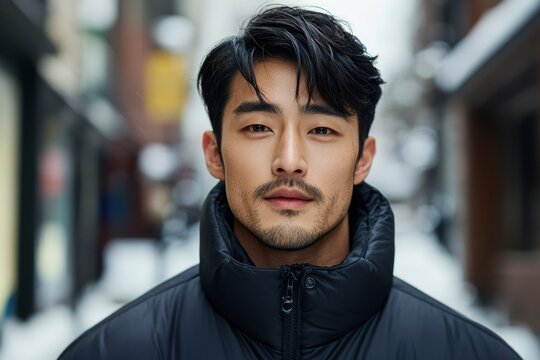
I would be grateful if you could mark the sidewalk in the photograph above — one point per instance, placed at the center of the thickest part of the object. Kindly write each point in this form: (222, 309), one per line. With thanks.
(419, 260)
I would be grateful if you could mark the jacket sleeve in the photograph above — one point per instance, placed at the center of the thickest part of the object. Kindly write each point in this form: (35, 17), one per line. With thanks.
(428, 329)
(126, 334)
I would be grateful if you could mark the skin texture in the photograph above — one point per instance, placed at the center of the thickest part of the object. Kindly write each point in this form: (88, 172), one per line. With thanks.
(289, 168)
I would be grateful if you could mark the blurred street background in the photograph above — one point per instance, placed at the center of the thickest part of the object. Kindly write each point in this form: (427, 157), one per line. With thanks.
(102, 175)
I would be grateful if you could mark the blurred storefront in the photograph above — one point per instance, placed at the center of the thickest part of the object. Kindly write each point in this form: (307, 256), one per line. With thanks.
(46, 136)
(22, 43)
(88, 91)
(487, 92)
(9, 163)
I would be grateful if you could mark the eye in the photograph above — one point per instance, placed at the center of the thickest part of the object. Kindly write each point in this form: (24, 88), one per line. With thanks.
(257, 128)
(321, 130)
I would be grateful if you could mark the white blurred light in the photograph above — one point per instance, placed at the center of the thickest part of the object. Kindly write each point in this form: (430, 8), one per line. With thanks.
(98, 14)
(94, 63)
(131, 268)
(429, 58)
(385, 173)
(157, 161)
(407, 92)
(174, 33)
(419, 149)
(105, 118)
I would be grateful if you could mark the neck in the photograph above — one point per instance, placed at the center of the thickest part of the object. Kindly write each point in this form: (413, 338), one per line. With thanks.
(329, 250)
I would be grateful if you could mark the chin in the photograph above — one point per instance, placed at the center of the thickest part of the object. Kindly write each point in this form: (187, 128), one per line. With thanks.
(289, 237)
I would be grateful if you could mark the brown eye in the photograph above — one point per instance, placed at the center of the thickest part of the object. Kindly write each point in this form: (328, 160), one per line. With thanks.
(257, 128)
(321, 130)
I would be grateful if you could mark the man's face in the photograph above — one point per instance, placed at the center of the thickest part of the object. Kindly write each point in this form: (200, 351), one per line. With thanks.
(289, 167)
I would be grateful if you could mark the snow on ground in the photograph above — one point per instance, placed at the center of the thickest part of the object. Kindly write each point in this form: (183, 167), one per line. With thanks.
(424, 263)
(419, 260)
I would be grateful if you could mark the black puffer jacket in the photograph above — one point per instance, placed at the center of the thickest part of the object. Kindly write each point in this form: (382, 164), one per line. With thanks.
(228, 309)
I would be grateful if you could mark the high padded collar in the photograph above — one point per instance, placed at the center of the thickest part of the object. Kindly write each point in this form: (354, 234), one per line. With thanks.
(344, 296)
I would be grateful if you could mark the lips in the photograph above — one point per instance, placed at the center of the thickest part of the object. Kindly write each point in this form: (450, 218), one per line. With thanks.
(288, 199)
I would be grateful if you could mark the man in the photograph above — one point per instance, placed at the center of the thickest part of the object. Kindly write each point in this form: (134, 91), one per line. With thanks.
(296, 250)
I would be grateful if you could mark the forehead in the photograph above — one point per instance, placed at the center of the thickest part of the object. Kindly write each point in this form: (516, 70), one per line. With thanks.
(282, 88)
(278, 82)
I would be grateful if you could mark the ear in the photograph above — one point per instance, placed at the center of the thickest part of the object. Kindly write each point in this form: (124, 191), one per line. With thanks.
(363, 165)
(211, 154)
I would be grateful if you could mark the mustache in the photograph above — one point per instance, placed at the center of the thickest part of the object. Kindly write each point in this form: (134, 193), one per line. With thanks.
(312, 191)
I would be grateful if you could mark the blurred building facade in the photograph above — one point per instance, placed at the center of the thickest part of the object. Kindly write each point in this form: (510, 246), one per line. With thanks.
(92, 94)
(480, 64)
(40, 121)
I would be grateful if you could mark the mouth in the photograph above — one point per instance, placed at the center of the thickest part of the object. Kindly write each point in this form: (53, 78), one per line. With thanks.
(288, 199)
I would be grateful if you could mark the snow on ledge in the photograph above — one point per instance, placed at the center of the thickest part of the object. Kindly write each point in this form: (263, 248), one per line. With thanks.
(489, 35)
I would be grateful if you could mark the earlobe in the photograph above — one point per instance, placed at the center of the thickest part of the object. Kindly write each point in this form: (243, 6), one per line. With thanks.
(211, 154)
(363, 165)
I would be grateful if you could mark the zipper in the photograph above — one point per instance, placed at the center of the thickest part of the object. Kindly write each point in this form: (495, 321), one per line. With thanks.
(290, 312)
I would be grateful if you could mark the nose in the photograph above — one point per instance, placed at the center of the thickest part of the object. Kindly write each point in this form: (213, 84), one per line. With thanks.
(289, 159)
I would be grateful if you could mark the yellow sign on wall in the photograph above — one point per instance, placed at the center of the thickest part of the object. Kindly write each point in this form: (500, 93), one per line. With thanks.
(165, 91)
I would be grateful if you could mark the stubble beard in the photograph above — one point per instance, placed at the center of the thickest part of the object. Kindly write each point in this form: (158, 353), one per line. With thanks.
(288, 235)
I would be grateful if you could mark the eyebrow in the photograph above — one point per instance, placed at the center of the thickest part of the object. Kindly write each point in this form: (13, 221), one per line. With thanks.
(307, 109)
(318, 109)
(256, 106)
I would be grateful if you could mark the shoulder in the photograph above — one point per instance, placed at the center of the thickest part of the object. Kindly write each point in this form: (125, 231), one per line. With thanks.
(420, 304)
(137, 326)
(420, 319)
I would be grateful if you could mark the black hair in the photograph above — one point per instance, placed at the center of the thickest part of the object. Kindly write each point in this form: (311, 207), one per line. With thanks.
(331, 60)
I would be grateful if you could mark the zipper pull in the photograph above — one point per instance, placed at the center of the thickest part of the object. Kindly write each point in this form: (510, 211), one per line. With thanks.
(287, 299)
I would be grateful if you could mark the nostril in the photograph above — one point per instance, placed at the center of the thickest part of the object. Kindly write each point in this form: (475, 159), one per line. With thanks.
(296, 171)
(282, 166)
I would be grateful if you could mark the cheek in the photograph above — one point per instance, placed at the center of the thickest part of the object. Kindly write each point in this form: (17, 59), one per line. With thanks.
(243, 170)
(243, 158)
(335, 167)
(242, 165)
